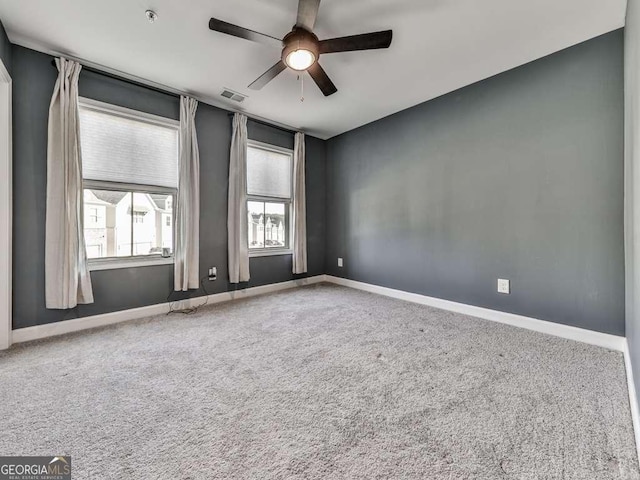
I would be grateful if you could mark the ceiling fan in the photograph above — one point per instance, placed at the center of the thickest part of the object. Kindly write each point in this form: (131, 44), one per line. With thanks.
(301, 48)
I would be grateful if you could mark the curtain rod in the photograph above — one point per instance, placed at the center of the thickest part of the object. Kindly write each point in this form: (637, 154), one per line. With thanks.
(122, 79)
(168, 91)
(261, 122)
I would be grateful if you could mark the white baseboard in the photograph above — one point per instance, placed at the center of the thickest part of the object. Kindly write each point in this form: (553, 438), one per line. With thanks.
(612, 342)
(633, 398)
(68, 326)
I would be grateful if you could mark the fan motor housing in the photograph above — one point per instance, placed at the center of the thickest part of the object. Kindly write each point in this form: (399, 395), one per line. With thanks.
(300, 39)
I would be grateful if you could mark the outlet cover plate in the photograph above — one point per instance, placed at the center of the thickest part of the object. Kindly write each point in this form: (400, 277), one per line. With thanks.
(340, 263)
(504, 286)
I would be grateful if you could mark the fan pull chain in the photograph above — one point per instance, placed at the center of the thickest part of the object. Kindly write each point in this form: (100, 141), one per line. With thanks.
(301, 78)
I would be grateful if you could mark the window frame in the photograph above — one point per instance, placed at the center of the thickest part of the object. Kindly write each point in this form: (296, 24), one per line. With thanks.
(108, 263)
(273, 251)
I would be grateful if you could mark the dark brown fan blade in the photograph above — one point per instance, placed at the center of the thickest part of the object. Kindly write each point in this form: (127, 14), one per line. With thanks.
(322, 79)
(267, 76)
(307, 13)
(366, 41)
(236, 31)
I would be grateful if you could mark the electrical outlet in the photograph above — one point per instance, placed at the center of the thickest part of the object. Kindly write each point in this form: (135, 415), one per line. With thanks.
(504, 286)
(213, 273)
(340, 264)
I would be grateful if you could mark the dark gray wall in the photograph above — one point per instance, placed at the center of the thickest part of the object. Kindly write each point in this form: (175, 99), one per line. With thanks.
(34, 78)
(518, 177)
(5, 49)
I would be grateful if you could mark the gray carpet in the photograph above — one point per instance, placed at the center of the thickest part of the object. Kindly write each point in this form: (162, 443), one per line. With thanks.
(321, 382)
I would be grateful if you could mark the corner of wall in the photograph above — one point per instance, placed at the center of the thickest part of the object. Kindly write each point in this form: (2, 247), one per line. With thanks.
(5, 49)
(326, 205)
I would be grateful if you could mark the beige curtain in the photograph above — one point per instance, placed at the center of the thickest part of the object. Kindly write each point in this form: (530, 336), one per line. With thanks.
(299, 206)
(187, 251)
(67, 279)
(238, 243)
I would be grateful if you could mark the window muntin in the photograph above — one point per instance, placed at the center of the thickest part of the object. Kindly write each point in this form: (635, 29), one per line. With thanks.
(269, 191)
(131, 217)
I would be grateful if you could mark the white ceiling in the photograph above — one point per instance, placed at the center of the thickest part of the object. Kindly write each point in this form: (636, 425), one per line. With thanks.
(438, 46)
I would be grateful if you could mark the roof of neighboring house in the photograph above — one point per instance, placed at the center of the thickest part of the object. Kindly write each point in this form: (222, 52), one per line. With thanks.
(275, 217)
(160, 200)
(108, 196)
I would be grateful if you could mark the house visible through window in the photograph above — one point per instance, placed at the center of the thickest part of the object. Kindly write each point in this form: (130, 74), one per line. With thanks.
(130, 170)
(269, 191)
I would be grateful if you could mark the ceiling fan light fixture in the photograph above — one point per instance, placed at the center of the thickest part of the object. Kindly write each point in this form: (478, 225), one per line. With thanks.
(301, 48)
(300, 59)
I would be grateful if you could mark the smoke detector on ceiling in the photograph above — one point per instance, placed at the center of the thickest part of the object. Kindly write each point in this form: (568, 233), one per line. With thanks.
(151, 16)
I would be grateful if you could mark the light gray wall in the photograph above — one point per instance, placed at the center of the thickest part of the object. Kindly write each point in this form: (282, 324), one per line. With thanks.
(518, 177)
(5, 48)
(34, 78)
(632, 183)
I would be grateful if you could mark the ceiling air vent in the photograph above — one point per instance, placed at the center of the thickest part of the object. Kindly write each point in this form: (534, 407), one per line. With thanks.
(231, 95)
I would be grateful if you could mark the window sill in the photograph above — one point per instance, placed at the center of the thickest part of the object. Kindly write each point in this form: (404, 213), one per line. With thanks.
(269, 253)
(117, 263)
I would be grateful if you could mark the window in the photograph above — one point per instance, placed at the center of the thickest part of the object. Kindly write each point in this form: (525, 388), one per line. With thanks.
(138, 217)
(93, 215)
(130, 171)
(269, 191)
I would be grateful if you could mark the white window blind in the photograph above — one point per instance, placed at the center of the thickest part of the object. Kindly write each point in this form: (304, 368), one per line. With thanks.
(119, 148)
(268, 173)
